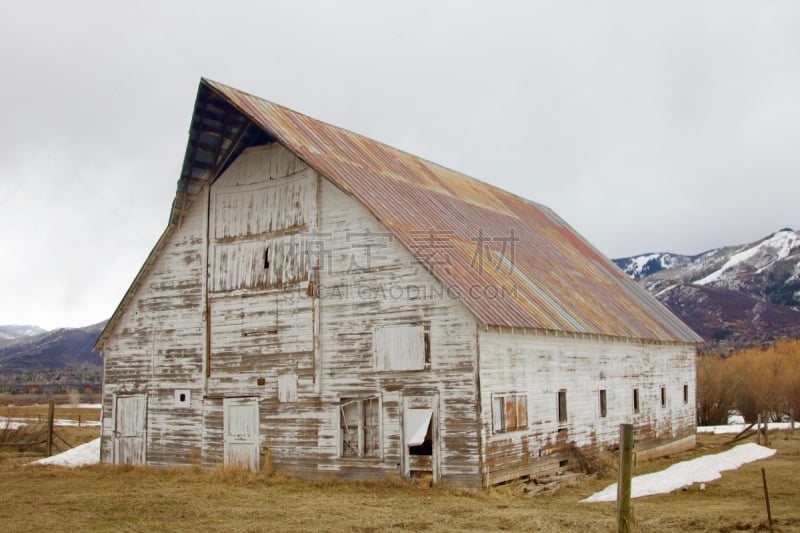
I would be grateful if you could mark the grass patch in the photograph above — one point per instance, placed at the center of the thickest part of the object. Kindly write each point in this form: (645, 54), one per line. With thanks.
(101, 498)
(34, 418)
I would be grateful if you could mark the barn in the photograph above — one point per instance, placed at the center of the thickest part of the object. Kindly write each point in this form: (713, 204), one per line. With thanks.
(329, 305)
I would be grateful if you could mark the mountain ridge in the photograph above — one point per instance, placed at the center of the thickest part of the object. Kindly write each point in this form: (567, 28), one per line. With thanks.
(733, 296)
(60, 355)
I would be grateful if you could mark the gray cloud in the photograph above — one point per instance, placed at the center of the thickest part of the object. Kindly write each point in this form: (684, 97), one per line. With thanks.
(669, 126)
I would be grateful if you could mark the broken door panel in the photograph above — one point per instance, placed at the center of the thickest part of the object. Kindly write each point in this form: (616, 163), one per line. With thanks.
(420, 435)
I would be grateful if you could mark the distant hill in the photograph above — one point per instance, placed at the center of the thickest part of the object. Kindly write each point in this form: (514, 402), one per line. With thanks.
(733, 296)
(14, 334)
(47, 357)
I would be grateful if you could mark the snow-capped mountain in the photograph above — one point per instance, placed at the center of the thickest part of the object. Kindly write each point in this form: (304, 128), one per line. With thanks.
(768, 268)
(16, 332)
(641, 266)
(749, 293)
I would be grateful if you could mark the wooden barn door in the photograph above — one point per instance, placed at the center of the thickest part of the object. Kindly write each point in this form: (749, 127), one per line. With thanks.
(241, 439)
(130, 430)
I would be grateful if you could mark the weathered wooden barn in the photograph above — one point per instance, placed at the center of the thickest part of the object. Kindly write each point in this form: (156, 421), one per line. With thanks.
(333, 305)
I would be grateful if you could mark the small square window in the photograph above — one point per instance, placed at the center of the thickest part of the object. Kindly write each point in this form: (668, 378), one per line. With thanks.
(663, 396)
(509, 412)
(686, 394)
(635, 400)
(182, 398)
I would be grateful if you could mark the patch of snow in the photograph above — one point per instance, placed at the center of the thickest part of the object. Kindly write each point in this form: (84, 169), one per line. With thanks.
(702, 469)
(85, 454)
(90, 405)
(735, 419)
(795, 275)
(16, 423)
(664, 291)
(17, 331)
(730, 263)
(6, 423)
(642, 260)
(737, 428)
(777, 247)
(74, 423)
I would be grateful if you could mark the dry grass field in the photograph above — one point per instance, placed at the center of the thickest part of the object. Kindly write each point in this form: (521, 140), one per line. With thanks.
(103, 498)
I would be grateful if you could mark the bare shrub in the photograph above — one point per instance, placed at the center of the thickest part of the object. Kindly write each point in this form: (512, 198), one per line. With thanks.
(754, 381)
(595, 461)
(22, 437)
(715, 391)
(74, 396)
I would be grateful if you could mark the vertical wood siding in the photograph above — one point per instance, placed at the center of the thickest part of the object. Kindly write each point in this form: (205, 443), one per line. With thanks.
(261, 317)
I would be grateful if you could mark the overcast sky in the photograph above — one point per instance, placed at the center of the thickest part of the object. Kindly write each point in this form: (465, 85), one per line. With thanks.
(670, 126)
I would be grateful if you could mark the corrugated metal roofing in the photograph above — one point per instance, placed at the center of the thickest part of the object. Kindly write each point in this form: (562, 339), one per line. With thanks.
(512, 262)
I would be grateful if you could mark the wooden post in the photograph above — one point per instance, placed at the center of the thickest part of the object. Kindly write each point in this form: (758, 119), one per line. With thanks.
(79, 420)
(766, 497)
(791, 419)
(50, 414)
(766, 430)
(758, 430)
(624, 518)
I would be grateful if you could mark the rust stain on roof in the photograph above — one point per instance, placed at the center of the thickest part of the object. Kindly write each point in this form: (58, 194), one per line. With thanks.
(497, 243)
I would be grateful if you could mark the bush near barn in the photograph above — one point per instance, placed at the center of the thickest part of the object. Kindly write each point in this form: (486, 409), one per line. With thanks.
(753, 381)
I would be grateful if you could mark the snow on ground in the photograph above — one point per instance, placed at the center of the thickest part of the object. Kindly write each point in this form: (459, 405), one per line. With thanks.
(702, 469)
(738, 428)
(74, 423)
(16, 423)
(5, 423)
(85, 454)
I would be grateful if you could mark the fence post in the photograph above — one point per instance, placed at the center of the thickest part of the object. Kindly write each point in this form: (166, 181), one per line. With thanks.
(766, 430)
(766, 498)
(758, 430)
(624, 521)
(50, 414)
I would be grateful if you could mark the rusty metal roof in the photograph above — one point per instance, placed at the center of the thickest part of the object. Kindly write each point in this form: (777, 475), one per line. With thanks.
(510, 261)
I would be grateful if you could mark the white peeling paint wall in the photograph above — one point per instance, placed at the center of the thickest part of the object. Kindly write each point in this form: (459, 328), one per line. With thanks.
(157, 347)
(392, 290)
(541, 366)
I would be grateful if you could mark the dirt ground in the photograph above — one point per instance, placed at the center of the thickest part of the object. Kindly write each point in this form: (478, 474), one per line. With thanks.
(103, 498)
